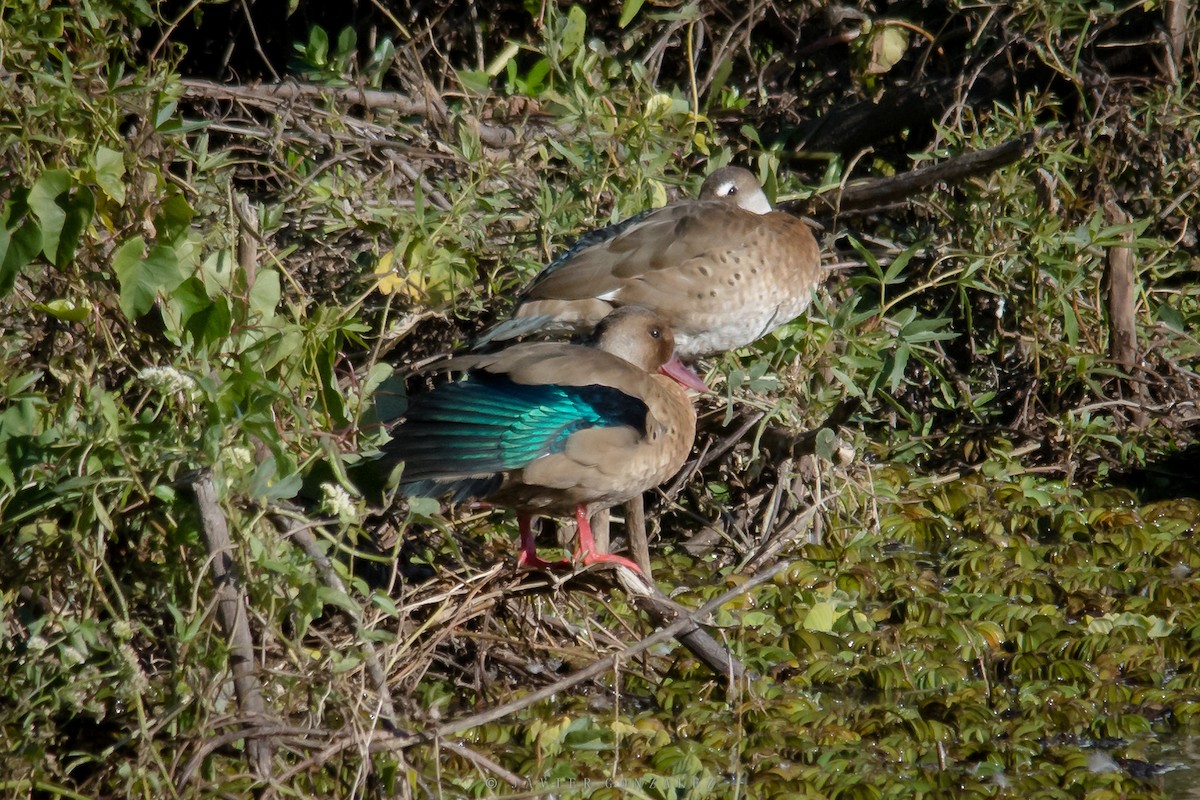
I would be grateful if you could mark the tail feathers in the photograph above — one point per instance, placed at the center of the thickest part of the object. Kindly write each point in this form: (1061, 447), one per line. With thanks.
(517, 327)
(459, 491)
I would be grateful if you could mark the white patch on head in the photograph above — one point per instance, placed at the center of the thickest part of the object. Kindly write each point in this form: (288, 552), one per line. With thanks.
(739, 186)
(756, 202)
(725, 188)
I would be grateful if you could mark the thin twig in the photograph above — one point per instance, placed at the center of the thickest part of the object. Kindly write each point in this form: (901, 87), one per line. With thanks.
(791, 531)
(710, 455)
(247, 731)
(276, 94)
(599, 667)
(375, 671)
(484, 763)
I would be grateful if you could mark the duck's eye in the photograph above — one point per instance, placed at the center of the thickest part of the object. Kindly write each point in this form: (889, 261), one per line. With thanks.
(655, 333)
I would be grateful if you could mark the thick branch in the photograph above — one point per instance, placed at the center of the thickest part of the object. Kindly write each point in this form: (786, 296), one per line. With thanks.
(231, 613)
(881, 191)
(1120, 279)
(291, 91)
(665, 611)
(635, 530)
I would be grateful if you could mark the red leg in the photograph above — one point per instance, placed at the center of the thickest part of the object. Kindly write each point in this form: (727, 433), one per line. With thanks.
(529, 558)
(586, 549)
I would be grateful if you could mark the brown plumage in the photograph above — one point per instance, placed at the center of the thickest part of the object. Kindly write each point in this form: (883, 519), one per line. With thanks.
(722, 270)
(553, 428)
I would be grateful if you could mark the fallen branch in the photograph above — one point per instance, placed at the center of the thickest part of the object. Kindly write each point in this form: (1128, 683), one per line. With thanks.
(231, 613)
(291, 91)
(666, 612)
(401, 742)
(248, 732)
(869, 194)
(635, 531)
(483, 762)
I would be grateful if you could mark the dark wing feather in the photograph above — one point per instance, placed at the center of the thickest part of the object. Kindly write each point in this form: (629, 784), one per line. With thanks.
(523, 326)
(589, 239)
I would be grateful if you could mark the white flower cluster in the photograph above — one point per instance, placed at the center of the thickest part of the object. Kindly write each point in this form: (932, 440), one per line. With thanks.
(169, 380)
(238, 457)
(337, 501)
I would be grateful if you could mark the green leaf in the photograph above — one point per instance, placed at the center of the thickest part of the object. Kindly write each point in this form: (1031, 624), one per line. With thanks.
(424, 506)
(44, 205)
(318, 46)
(164, 115)
(79, 209)
(190, 309)
(286, 488)
(334, 404)
(573, 33)
(265, 294)
(141, 279)
(1168, 315)
(895, 270)
(821, 617)
(108, 166)
(629, 10)
(17, 249)
(211, 324)
(331, 596)
(827, 445)
(473, 81)
(347, 41)
(62, 216)
(174, 218)
(66, 310)
(385, 604)
(899, 363)
(535, 80)
(886, 47)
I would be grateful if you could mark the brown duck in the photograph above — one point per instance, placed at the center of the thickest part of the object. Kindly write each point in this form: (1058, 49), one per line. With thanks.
(721, 271)
(553, 428)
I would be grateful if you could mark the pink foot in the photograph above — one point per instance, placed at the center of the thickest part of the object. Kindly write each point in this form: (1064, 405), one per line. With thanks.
(587, 559)
(586, 552)
(527, 561)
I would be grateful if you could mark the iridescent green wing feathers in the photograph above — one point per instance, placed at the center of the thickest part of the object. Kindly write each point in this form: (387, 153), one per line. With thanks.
(462, 436)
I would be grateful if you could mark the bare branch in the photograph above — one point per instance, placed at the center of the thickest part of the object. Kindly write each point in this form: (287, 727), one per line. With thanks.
(231, 612)
(881, 191)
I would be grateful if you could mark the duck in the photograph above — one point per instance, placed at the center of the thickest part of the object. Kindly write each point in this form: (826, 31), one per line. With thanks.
(554, 428)
(722, 270)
